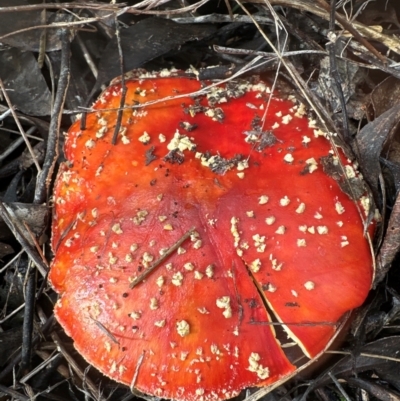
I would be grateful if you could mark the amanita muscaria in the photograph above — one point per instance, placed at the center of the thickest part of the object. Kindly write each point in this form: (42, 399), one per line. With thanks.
(229, 197)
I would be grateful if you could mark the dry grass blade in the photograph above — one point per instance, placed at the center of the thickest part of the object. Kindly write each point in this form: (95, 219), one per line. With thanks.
(71, 5)
(20, 128)
(76, 368)
(390, 41)
(136, 9)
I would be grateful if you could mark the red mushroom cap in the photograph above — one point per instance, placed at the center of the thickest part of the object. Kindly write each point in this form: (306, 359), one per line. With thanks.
(223, 196)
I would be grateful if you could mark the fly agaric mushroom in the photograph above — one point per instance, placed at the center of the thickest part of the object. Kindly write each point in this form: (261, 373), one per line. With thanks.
(213, 216)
